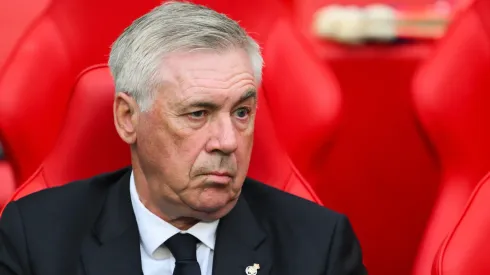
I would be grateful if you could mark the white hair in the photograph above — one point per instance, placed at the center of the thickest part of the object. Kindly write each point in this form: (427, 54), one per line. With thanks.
(137, 55)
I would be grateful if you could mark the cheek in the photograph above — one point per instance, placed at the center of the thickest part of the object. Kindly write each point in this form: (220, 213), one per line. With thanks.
(165, 145)
(175, 140)
(245, 146)
(187, 152)
(248, 136)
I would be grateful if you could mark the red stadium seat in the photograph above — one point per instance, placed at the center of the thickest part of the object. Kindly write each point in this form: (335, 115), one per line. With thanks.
(304, 99)
(62, 38)
(376, 162)
(466, 249)
(15, 19)
(89, 144)
(452, 99)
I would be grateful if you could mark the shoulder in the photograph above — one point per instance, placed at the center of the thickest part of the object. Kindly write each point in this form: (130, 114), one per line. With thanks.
(324, 238)
(283, 207)
(67, 201)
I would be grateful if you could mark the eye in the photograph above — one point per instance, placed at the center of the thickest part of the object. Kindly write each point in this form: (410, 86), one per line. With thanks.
(197, 114)
(242, 113)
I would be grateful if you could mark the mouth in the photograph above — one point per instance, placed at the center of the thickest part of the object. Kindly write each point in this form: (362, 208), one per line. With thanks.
(220, 174)
(219, 177)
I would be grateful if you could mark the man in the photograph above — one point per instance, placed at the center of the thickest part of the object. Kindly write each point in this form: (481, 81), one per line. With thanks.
(186, 98)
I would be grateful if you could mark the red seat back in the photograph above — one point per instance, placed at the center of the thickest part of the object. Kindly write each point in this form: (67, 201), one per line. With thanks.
(452, 99)
(16, 18)
(467, 247)
(89, 144)
(304, 99)
(66, 37)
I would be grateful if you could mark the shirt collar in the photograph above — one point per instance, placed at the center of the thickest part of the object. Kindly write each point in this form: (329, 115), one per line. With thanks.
(154, 231)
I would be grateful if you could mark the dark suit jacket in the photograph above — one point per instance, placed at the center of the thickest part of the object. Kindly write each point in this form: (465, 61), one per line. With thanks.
(88, 228)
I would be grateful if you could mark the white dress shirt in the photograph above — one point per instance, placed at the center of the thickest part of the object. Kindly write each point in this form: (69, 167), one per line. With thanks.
(156, 259)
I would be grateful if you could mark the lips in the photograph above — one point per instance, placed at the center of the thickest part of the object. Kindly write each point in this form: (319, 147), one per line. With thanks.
(220, 174)
(219, 177)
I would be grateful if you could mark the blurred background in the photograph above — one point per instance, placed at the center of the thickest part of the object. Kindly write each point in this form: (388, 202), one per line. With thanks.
(382, 107)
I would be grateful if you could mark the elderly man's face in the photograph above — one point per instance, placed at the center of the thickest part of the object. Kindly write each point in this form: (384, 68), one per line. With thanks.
(195, 142)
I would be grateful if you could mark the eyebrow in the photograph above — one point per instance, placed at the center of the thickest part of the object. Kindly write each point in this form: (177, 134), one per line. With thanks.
(250, 93)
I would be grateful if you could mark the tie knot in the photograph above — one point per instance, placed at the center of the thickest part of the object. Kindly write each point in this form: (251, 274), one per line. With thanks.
(183, 247)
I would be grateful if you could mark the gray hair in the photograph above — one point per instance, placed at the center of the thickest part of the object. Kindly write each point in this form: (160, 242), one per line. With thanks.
(136, 56)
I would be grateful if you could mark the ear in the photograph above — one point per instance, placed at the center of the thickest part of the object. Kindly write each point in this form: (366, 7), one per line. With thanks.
(126, 112)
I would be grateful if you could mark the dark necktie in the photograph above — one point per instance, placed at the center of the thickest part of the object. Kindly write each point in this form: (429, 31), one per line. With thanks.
(183, 248)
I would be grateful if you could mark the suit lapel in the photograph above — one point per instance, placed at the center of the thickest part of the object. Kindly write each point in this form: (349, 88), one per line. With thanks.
(240, 242)
(114, 247)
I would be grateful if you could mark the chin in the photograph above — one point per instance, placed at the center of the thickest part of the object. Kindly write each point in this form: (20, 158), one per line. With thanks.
(213, 210)
(216, 215)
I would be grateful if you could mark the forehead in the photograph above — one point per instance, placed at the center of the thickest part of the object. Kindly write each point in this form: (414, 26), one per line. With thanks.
(208, 70)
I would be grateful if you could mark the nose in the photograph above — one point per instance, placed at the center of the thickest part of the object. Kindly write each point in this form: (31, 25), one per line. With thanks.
(223, 136)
